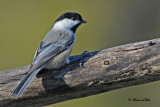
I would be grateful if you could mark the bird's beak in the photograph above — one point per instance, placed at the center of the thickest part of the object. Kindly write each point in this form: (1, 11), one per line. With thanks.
(83, 21)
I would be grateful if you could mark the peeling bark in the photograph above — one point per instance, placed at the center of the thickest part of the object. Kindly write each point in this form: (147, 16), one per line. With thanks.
(104, 70)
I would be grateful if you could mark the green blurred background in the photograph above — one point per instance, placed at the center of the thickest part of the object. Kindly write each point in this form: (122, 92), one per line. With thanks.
(24, 23)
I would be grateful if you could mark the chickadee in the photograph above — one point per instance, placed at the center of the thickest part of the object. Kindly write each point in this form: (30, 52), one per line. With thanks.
(54, 50)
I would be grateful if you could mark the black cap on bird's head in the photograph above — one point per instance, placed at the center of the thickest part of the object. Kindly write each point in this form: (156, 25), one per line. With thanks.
(72, 16)
(75, 17)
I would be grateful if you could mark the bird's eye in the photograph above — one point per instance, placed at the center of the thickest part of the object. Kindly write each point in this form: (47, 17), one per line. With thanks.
(72, 18)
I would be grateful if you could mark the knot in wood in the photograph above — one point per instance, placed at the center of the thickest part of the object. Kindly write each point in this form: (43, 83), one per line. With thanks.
(106, 62)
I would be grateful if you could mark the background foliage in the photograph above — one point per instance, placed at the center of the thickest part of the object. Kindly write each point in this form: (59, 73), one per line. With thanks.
(24, 23)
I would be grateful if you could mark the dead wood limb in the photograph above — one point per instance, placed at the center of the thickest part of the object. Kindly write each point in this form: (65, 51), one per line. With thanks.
(105, 70)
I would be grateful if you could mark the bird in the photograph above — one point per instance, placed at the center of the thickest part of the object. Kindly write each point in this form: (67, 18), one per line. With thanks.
(54, 50)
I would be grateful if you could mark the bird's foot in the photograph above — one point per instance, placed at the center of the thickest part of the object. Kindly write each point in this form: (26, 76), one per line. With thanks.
(83, 55)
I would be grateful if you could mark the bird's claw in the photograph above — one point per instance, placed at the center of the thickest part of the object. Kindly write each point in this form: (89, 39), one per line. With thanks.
(83, 55)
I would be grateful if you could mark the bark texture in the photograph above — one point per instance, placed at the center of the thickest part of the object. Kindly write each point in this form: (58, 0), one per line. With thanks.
(104, 70)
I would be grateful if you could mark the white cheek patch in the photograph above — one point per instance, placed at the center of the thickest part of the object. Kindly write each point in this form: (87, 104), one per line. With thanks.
(65, 24)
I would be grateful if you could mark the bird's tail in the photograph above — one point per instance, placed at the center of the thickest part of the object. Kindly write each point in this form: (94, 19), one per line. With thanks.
(20, 88)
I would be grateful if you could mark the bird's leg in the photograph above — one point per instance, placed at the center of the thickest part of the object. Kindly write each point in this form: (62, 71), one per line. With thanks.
(80, 57)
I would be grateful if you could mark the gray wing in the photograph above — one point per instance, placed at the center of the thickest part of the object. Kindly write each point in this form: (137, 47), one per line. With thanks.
(46, 52)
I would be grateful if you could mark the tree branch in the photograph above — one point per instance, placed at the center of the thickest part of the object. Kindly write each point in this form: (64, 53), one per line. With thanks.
(105, 70)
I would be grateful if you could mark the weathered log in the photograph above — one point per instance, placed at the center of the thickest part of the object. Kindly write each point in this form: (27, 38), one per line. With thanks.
(104, 70)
